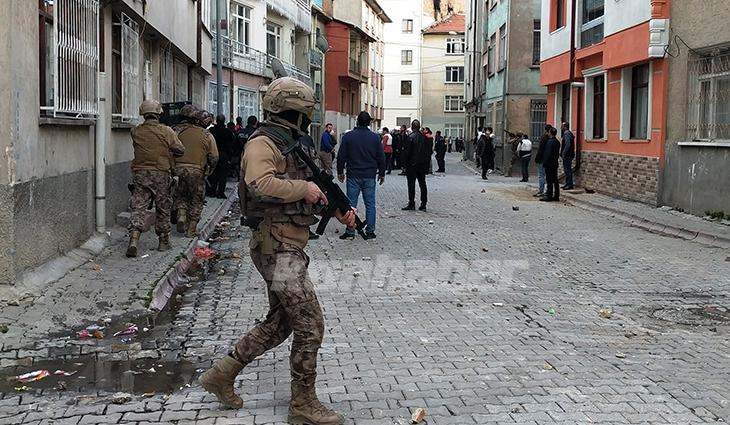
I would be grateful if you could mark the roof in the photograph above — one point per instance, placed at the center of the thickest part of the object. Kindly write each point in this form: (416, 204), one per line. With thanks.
(452, 23)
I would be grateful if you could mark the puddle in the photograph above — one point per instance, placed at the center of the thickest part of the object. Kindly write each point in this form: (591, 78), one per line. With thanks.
(90, 374)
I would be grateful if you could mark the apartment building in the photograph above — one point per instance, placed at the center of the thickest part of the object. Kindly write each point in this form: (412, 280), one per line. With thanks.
(605, 68)
(72, 95)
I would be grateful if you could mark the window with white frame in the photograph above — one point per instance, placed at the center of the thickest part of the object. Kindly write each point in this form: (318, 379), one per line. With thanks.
(69, 59)
(213, 99)
(562, 104)
(455, 46)
(635, 102)
(406, 87)
(406, 57)
(125, 68)
(591, 30)
(454, 74)
(248, 103)
(453, 103)
(167, 75)
(595, 105)
(240, 29)
(181, 81)
(408, 26)
(273, 40)
(502, 47)
(490, 55)
(453, 130)
(206, 15)
(708, 106)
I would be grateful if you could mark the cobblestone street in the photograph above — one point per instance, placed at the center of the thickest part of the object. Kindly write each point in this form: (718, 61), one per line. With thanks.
(490, 308)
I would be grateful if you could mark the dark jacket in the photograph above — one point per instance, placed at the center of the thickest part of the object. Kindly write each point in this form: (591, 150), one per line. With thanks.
(361, 152)
(417, 149)
(551, 153)
(481, 142)
(567, 150)
(541, 149)
(225, 140)
(440, 146)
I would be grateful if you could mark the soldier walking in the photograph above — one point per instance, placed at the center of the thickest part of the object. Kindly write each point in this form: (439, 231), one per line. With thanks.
(155, 148)
(201, 155)
(280, 205)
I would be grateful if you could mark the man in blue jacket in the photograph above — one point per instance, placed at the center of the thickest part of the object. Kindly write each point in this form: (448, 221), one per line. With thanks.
(361, 154)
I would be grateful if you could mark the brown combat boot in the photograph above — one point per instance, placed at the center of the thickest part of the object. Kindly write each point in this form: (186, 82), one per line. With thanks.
(306, 409)
(192, 231)
(219, 379)
(181, 220)
(133, 240)
(164, 244)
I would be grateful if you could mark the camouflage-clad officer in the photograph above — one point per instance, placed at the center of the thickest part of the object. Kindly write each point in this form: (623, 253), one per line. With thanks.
(155, 149)
(200, 155)
(280, 205)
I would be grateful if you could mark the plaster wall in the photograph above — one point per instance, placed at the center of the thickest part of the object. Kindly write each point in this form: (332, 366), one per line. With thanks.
(174, 19)
(557, 42)
(434, 83)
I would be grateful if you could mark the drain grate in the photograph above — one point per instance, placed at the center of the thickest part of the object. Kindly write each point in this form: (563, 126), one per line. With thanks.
(708, 315)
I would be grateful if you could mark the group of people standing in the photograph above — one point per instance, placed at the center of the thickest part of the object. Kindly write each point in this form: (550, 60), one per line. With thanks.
(550, 152)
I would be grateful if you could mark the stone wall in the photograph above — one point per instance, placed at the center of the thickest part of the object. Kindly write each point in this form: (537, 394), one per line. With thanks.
(624, 176)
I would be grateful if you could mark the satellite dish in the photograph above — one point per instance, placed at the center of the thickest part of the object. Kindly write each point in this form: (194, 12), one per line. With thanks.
(322, 44)
(278, 68)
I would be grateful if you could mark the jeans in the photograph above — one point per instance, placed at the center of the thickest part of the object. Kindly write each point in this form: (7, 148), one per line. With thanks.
(541, 178)
(568, 168)
(366, 185)
(525, 162)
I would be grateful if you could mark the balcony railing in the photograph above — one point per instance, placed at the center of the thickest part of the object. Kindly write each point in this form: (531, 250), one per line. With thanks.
(238, 56)
(316, 59)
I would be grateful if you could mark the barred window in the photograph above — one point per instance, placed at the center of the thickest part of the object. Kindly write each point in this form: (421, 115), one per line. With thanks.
(538, 118)
(536, 42)
(709, 97)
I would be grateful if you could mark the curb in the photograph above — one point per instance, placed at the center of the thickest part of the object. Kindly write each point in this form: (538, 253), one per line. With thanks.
(651, 225)
(166, 286)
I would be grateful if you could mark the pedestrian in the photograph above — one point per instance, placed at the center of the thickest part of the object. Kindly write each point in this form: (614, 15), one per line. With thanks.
(402, 141)
(551, 158)
(155, 148)
(490, 149)
(280, 205)
(539, 160)
(450, 143)
(567, 152)
(225, 142)
(201, 156)
(440, 148)
(479, 143)
(234, 164)
(525, 152)
(327, 148)
(486, 152)
(416, 156)
(239, 125)
(361, 155)
(429, 139)
(387, 149)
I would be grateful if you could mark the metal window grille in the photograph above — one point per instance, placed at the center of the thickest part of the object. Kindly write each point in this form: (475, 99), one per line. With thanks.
(708, 100)
(536, 42)
(181, 81)
(166, 76)
(247, 104)
(538, 118)
(130, 68)
(76, 32)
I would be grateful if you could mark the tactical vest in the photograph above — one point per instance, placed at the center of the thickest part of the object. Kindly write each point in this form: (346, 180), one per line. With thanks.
(194, 140)
(271, 209)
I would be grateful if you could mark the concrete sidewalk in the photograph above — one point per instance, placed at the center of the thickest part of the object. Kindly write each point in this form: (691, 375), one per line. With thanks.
(107, 285)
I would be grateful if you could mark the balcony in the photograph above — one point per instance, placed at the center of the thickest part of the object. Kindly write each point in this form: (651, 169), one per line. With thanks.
(297, 11)
(240, 57)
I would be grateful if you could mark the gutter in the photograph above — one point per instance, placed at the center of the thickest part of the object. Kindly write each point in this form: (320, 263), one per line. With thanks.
(100, 155)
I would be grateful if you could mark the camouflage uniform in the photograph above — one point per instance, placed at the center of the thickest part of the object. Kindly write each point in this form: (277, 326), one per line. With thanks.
(150, 185)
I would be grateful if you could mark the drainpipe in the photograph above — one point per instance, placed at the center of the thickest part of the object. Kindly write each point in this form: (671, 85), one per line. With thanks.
(579, 86)
(100, 156)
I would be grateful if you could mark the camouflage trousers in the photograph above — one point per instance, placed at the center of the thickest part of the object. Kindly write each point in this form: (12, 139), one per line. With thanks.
(190, 192)
(151, 186)
(293, 308)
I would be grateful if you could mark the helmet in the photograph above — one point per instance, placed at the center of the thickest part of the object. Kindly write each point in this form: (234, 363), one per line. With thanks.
(287, 96)
(188, 111)
(204, 118)
(150, 107)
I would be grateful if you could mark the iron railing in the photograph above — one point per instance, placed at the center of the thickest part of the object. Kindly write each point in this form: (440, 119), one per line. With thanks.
(708, 97)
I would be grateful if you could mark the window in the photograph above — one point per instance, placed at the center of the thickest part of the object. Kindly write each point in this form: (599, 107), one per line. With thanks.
(273, 40)
(167, 93)
(213, 99)
(454, 130)
(198, 88)
(490, 55)
(408, 26)
(564, 104)
(406, 57)
(247, 104)
(536, 42)
(125, 68)
(181, 81)
(240, 28)
(595, 108)
(205, 15)
(406, 87)
(709, 97)
(403, 121)
(639, 120)
(538, 118)
(453, 103)
(591, 31)
(69, 58)
(502, 47)
(454, 74)
(455, 46)
(557, 14)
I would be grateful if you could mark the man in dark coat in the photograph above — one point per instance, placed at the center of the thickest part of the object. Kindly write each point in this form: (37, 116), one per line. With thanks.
(416, 156)
(551, 157)
(539, 160)
(225, 140)
(440, 152)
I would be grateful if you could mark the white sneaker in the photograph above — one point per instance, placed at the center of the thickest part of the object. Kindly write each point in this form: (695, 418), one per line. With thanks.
(490, 171)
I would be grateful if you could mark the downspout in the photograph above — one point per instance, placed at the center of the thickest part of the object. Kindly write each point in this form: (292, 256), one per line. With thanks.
(100, 156)
(505, 156)
(579, 92)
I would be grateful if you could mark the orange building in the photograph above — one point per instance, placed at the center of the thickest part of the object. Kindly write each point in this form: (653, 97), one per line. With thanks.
(603, 64)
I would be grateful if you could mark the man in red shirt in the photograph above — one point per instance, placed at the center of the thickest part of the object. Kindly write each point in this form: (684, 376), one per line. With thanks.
(388, 149)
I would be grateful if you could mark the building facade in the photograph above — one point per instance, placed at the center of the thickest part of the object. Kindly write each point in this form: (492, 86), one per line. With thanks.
(697, 156)
(71, 103)
(509, 97)
(442, 93)
(604, 66)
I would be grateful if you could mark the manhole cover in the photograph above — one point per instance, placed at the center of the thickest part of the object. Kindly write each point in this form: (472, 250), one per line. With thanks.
(694, 316)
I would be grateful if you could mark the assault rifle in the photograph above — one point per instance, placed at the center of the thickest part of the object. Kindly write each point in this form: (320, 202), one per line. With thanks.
(337, 200)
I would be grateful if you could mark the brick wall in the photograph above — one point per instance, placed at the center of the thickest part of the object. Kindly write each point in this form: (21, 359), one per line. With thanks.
(624, 176)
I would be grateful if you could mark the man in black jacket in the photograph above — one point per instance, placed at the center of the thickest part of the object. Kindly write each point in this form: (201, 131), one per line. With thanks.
(539, 160)
(440, 152)
(415, 157)
(225, 140)
(551, 157)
